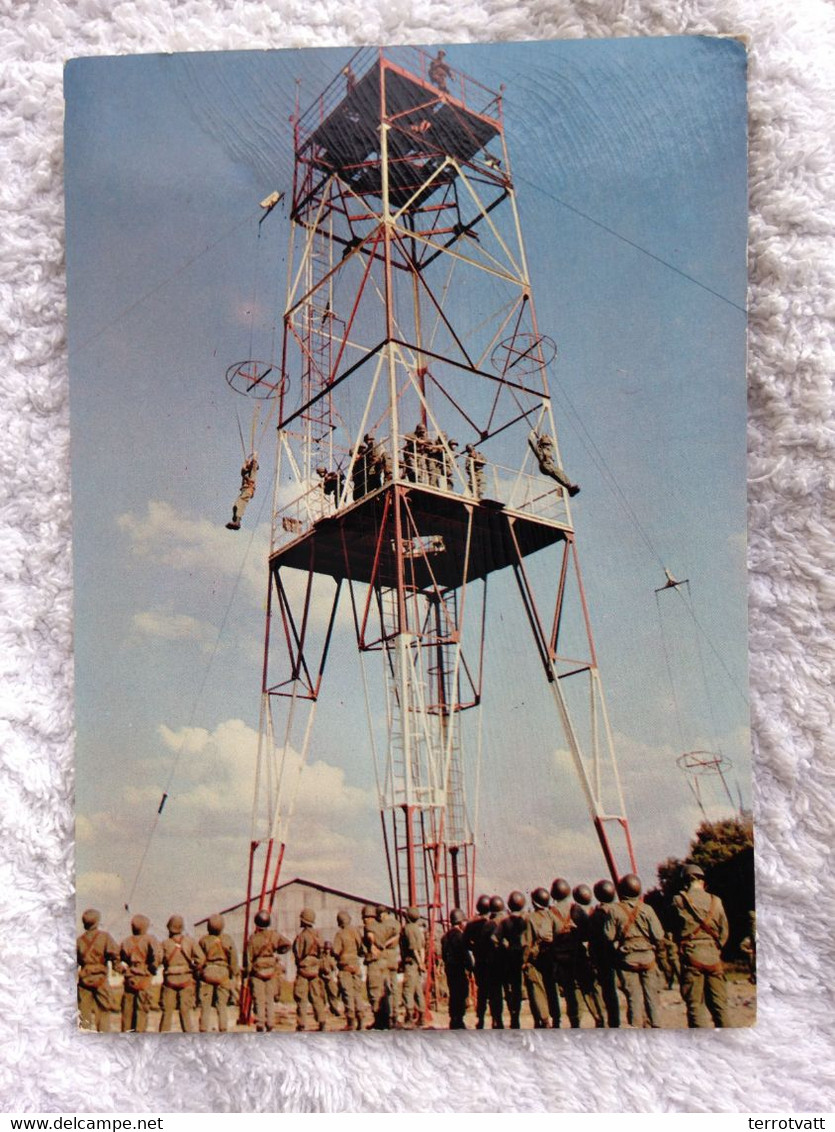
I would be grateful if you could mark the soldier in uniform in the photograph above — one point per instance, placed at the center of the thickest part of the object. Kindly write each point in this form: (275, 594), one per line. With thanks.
(413, 956)
(140, 955)
(440, 72)
(635, 931)
(414, 454)
(181, 960)
(480, 934)
(249, 473)
(377, 942)
(475, 462)
(347, 949)
(601, 953)
(566, 942)
(511, 936)
(329, 974)
(332, 483)
(307, 951)
(538, 961)
(748, 947)
(457, 963)
(495, 969)
(543, 446)
(586, 982)
(218, 975)
(262, 969)
(95, 948)
(702, 933)
(668, 962)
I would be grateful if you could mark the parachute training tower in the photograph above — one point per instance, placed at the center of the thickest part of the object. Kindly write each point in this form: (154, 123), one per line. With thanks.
(409, 326)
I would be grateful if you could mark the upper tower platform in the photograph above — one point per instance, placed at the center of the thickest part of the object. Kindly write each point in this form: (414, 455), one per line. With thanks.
(340, 132)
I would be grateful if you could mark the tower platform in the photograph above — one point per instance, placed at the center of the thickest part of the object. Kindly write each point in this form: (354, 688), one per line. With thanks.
(434, 527)
(427, 127)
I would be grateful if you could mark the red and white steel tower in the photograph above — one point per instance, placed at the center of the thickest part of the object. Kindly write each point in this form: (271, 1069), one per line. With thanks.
(417, 457)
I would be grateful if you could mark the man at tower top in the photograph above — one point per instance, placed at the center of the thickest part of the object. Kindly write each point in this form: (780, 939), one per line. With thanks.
(440, 72)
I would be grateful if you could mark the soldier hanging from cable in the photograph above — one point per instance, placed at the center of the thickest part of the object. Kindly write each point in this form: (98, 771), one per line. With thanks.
(543, 448)
(249, 472)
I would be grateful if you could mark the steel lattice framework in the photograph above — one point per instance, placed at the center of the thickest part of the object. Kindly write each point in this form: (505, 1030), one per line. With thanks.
(409, 335)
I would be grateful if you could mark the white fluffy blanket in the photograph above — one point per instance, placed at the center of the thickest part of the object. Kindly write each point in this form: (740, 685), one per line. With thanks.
(786, 1062)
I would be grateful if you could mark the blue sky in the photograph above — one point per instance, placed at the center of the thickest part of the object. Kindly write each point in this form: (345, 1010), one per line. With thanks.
(629, 163)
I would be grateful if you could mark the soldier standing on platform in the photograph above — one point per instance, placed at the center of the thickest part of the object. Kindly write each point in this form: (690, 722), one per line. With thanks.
(475, 463)
(414, 455)
(413, 954)
(457, 964)
(262, 969)
(635, 931)
(703, 932)
(95, 948)
(181, 960)
(218, 975)
(601, 953)
(307, 951)
(440, 72)
(140, 954)
(347, 949)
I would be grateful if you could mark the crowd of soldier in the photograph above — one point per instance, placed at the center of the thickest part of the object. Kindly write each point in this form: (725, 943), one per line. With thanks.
(428, 461)
(560, 950)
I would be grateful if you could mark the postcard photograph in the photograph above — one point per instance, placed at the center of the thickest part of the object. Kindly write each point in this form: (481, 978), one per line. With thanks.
(408, 416)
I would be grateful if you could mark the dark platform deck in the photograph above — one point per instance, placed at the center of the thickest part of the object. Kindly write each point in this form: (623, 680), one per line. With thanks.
(427, 127)
(344, 545)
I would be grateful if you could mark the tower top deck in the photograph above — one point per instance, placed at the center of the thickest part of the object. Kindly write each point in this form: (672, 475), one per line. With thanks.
(339, 132)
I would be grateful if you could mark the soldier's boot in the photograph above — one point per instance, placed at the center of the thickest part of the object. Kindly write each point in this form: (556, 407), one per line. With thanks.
(322, 1027)
(514, 1021)
(480, 1022)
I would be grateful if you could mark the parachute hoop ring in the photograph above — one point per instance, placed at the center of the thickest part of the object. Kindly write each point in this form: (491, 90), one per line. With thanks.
(704, 762)
(523, 353)
(260, 380)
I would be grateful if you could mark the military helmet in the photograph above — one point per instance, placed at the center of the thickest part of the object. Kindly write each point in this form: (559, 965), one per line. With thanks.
(307, 917)
(343, 919)
(90, 917)
(694, 872)
(582, 894)
(629, 886)
(262, 918)
(456, 916)
(413, 914)
(540, 897)
(380, 911)
(496, 905)
(321, 470)
(516, 901)
(369, 912)
(482, 905)
(420, 429)
(604, 891)
(560, 889)
(139, 924)
(175, 924)
(215, 924)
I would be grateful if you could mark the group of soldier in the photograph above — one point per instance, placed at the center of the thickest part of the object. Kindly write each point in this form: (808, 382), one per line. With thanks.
(430, 462)
(561, 949)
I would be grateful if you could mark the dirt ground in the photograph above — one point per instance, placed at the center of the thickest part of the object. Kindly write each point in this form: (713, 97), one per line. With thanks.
(741, 997)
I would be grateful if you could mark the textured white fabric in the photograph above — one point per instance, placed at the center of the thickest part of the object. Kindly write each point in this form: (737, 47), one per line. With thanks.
(786, 1062)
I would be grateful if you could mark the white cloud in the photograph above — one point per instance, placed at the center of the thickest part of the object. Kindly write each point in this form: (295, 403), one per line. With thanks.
(167, 538)
(169, 626)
